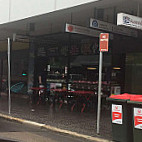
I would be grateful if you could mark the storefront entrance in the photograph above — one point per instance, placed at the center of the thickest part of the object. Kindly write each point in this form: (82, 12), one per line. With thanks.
(71, 62)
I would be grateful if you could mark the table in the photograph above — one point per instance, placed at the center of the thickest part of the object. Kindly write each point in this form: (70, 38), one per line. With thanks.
(86, 98)
(60, 95)
(39, 93)
(79, 95)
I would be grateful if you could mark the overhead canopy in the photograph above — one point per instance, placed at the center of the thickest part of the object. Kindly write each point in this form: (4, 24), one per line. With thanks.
(54, 22)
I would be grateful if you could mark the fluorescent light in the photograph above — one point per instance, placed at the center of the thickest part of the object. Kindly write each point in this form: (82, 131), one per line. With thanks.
(91, 68)
(116, 68)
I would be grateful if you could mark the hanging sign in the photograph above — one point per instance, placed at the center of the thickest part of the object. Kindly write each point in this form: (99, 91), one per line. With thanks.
(109, 27)
(138, 118)
(70, 28)
(117, 114)
(81, 30)
(104, 39)
(129, 20)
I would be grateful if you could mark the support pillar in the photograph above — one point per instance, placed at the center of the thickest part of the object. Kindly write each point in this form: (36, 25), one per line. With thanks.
(31, 66)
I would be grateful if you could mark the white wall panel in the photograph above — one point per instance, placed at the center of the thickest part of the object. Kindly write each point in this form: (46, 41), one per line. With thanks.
(61, 4)
(21, 9)
(4, 11)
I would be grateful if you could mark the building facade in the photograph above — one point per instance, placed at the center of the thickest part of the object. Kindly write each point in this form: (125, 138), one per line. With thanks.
(39, 35)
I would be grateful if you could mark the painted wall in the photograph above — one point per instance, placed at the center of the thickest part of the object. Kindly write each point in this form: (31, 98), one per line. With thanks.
(12, 10)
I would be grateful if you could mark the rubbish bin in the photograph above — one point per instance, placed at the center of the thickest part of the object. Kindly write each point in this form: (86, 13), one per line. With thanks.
(136, 106)
(121, 118)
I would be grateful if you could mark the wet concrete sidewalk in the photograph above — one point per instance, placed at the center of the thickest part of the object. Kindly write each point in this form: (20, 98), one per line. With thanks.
(83, 123)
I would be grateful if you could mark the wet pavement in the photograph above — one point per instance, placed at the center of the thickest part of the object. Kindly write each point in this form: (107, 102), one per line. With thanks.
(11, 131)
(83, 123)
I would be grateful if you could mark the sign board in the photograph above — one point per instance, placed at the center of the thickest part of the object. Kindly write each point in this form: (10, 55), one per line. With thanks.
(83, 30)
(104, 39)
(48, 67)
(117, 114)
(66, 70)
(129, 20)
(97, 24)
(138, 118)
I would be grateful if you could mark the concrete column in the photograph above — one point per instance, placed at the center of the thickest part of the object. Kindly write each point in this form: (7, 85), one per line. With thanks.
(31, 66)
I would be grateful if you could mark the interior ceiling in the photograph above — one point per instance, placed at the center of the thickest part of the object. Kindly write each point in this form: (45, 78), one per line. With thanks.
(55, 22)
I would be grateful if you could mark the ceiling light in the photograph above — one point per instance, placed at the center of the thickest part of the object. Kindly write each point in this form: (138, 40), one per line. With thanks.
(91, 68)
(116, 68)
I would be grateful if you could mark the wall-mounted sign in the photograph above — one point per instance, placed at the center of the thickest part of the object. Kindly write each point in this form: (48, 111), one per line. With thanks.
(117, 114)
(138, 118)
(129, 20)
(81, 30)
(104, 39)
(105, 26)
